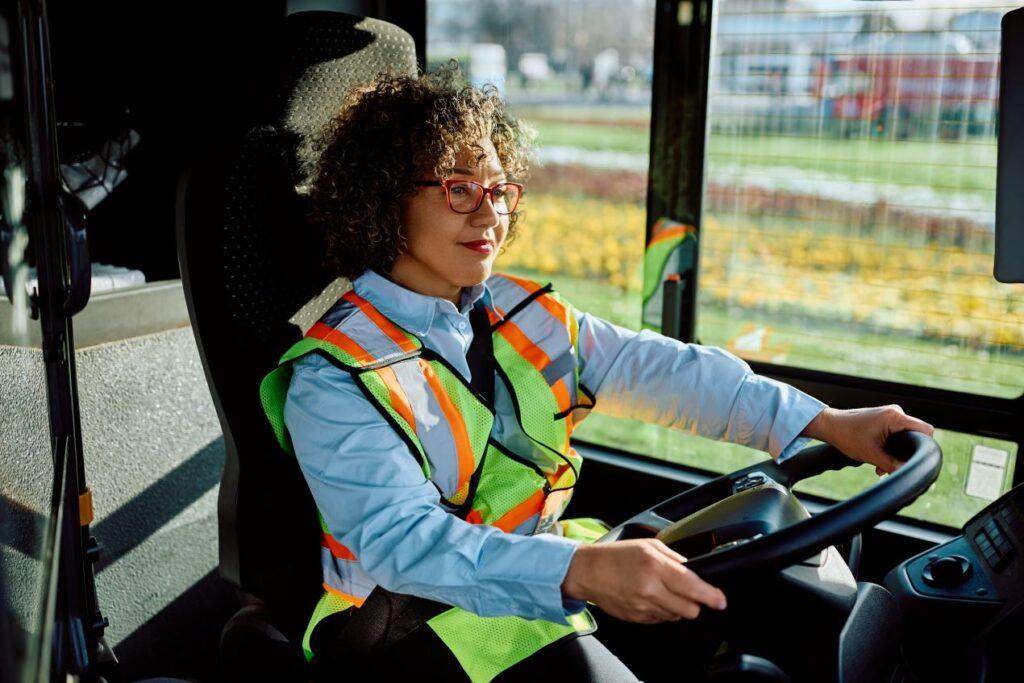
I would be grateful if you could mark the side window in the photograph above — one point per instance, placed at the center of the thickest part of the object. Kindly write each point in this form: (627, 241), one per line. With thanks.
(849, 211)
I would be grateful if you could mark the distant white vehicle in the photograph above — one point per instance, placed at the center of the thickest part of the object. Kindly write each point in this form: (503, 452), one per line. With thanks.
(534, 66)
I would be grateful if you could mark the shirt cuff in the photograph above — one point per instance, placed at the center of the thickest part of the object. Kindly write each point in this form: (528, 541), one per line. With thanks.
(553, 606)
(799, 414)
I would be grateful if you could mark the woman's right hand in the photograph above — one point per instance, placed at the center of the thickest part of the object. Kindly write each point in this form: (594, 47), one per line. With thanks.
(641, 580)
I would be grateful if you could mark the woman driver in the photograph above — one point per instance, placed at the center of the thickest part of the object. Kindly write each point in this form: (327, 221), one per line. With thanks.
(430, 409)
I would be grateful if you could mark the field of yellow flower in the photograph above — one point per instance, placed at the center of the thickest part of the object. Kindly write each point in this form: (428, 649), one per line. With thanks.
(925, 290)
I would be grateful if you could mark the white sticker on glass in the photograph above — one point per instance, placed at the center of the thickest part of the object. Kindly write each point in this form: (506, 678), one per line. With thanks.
(987, 473)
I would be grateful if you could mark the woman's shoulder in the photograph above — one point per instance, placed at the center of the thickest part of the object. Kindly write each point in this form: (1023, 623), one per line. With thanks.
(314, 373)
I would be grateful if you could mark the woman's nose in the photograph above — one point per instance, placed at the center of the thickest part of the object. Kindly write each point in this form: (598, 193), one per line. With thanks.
(487, 212)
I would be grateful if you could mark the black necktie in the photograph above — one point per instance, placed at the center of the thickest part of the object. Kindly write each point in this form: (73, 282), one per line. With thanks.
(480, 355)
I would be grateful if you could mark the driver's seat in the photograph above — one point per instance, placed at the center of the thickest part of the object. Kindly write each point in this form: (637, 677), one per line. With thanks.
(248, 264)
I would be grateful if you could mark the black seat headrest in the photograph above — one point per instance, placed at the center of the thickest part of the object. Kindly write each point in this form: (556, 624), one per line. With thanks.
(249, 262)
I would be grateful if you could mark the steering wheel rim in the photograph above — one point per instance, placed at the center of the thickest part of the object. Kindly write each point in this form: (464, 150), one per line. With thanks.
(796, 542)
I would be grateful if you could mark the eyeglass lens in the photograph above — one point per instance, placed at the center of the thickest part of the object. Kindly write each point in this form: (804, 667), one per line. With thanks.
(466, 197)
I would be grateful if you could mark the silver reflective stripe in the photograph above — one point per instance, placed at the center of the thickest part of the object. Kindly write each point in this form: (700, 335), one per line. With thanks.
(348, 318)
(338, 313)
(366, 333)
(560, 367)
(432, 428)
(346, 576)
(528, 526)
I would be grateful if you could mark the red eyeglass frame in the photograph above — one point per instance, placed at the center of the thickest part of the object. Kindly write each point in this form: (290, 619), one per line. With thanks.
(447, 185)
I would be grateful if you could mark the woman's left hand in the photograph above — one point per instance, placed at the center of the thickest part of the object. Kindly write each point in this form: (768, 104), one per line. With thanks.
(861, 433)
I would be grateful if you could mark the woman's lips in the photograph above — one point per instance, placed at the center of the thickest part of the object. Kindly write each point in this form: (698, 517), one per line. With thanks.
(479, 246)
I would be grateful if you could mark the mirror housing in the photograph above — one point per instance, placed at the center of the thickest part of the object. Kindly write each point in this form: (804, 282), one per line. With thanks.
(1009, 245)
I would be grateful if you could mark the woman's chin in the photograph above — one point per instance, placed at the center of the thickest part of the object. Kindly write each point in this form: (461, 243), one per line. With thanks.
(473, 275)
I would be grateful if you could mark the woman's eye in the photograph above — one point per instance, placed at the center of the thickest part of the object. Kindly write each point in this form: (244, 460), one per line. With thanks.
(459, 189)
(499, 193)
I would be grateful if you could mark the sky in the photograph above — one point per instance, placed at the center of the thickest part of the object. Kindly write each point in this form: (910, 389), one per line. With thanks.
(913, 14)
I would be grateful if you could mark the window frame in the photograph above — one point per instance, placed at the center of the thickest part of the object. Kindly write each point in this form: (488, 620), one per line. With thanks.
(683, 42)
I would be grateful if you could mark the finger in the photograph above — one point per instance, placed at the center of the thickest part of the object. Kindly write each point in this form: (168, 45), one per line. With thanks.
(660, 545)
(914, 424)
(657, 611)
(885, 463)
(688, 585)
(679, 606)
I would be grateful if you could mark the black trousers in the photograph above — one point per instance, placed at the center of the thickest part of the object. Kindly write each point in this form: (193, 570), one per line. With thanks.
(617, 651)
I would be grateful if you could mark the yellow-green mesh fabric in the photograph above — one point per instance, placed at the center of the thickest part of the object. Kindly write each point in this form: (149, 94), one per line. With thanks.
(655, 258)
(586, 529)
(274, 387)
(570, 475)
(329, 604)
(477, 417)
(486, 646)
(376, 386)
(537, 404)
(504, 483)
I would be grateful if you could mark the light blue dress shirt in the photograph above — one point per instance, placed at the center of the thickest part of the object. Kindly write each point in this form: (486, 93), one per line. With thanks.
(374, 497)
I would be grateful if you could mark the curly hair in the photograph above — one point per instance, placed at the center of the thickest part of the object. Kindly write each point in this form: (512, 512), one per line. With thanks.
(385, 137)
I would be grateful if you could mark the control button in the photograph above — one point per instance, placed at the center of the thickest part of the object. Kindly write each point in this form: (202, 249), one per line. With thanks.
(748, 482)
(947, 572)
(1012, 521)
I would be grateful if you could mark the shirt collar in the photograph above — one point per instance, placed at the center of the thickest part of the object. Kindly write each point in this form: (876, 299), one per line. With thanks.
(414, 311)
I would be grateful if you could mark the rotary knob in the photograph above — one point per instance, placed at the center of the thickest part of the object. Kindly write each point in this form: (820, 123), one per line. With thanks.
(947, 572)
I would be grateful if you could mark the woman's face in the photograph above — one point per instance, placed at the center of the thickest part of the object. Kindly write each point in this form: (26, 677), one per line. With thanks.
(447, 251)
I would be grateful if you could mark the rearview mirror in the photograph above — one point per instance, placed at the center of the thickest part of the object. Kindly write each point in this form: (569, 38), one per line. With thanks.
(1009, 247)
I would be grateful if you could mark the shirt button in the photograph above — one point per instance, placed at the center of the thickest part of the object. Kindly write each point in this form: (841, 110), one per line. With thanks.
(462, 324)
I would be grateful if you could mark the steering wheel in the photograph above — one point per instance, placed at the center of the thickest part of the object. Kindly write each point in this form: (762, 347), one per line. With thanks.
(750, 520)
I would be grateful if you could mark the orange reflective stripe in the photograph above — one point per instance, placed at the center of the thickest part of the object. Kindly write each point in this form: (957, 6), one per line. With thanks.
(474, 517)
(386, 326)
(669, 233)
(341, 340)
(526, 348)
(520, 513)
(455, 422)
(528, 285)
(554, 307)
(561, 392)
(358, 602)
(399, 401)
(493, 316)
(337, 549)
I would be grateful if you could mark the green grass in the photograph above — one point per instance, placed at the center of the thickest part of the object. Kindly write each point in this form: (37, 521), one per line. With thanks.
(620, 114)
(592, 136)
(945, 503)
(967, 167)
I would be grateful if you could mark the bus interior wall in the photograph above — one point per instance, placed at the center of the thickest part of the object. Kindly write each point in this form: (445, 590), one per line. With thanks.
(179, 76)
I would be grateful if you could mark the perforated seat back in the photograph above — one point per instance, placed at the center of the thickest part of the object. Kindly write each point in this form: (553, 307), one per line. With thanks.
(249, 263)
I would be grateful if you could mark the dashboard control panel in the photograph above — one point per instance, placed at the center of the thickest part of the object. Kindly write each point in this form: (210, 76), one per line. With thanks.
(981, 571)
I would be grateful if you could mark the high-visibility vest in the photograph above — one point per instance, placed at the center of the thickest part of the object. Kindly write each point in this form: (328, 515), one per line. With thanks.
(671, 250)
(510, 465)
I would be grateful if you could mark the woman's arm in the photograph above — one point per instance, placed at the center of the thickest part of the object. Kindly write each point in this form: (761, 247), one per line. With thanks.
(699, 389)
(373, 495)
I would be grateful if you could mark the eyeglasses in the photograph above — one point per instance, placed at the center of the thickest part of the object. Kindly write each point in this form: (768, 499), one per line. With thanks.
(466, 196)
